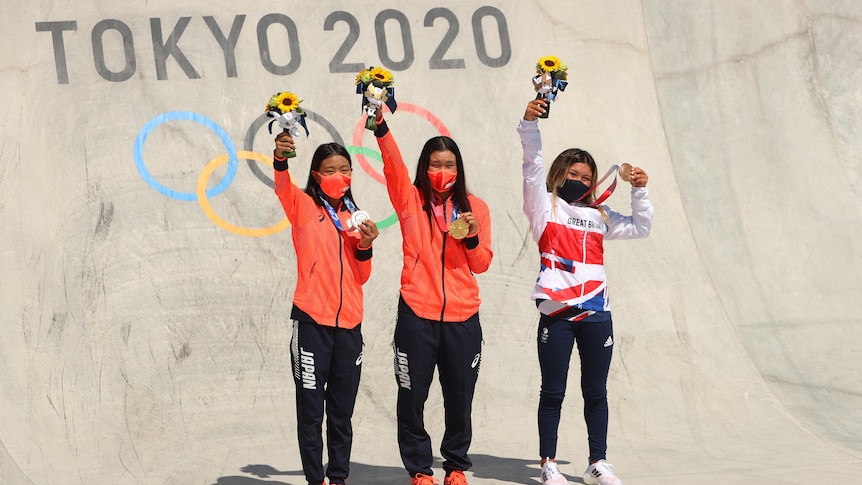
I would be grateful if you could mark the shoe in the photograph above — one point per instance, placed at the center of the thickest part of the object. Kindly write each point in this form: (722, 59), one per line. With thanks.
(422, 479)
(456, 477)
(600, 473)
(551, 475)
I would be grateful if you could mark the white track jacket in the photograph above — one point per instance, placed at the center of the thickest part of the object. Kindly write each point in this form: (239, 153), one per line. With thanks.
(571, 283)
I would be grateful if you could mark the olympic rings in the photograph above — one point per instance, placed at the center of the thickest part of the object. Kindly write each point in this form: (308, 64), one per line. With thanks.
(202, 194)
(408, 107)
(336, 137)
(208, 210)
(190, 116)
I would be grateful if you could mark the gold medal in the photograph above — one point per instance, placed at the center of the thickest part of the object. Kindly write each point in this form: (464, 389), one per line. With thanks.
(459, 229)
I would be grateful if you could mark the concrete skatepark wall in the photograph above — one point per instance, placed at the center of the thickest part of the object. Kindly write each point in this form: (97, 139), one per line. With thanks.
(147, 271)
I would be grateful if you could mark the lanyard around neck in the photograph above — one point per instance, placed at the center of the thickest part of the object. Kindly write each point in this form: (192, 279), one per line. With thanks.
(332, 214)
(440, 213)
(607, 193)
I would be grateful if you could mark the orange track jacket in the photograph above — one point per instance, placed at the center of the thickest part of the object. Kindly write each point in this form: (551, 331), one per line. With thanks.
(437, 280)
(331, 269)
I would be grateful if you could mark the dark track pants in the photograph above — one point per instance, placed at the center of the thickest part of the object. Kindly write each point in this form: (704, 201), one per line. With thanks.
(455, 348)
(556, 338)
(326, 364)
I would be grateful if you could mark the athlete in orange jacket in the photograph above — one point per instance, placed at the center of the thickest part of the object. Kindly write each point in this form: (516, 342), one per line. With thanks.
(438, 320)
(434, 290)
(333, 259)
(331, 265)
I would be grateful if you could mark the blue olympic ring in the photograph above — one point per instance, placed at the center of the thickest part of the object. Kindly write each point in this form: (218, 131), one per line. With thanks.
(197, 118)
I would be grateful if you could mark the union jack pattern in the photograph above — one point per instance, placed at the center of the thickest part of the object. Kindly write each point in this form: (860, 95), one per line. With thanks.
(572, 284)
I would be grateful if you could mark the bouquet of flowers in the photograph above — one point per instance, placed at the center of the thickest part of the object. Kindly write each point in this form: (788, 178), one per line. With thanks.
(551, 78)
(284, 108)
(375, 86)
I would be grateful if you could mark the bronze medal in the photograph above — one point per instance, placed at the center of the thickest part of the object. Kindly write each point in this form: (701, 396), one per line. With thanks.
(459, 229)
(625, 172)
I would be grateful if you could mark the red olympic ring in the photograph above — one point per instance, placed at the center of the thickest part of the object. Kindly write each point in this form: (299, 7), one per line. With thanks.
(410, 108)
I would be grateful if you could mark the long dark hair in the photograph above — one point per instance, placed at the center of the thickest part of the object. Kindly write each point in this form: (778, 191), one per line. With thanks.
(323, 152)
(560, 168)
(423, 183)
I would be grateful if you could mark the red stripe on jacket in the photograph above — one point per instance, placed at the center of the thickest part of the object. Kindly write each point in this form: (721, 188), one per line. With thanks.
(573, 244)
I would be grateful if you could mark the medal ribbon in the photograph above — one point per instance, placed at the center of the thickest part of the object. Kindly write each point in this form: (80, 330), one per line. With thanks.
(332, 214)
(439, 213)
(607, 193)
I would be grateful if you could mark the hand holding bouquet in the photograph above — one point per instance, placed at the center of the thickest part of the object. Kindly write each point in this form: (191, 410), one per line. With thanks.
(284, 108)
(551, 78)
(375, 86)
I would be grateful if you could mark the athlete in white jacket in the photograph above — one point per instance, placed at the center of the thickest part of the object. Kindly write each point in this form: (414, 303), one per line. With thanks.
(571, 291)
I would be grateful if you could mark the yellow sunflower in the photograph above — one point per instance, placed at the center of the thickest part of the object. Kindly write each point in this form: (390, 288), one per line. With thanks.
(553, 65)
(381, 77)
(287, 102)
(548, 64)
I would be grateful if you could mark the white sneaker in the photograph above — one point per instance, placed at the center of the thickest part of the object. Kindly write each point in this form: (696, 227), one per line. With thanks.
(600, 473)
(551, 475)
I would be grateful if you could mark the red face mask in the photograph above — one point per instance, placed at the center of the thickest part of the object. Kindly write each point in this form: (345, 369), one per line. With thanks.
(335, 185)
(442, 180)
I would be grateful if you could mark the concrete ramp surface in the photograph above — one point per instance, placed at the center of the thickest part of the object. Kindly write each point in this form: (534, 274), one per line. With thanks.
(146, 270)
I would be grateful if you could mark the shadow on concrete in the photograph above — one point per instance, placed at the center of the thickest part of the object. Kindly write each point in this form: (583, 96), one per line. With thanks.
(485, 467)
(512, 470)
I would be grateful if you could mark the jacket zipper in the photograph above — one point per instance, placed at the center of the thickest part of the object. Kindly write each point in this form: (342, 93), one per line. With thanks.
(340, 275)
(443, 266)
(583, 259)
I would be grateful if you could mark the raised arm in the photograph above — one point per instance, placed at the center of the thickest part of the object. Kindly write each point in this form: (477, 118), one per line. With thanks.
(398, 182)
(536, 201)
(298, 206)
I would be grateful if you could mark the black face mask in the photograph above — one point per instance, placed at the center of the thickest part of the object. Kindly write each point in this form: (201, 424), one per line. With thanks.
(572, 190)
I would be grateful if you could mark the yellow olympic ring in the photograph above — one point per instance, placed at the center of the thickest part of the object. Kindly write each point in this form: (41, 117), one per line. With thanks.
(201, 190)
